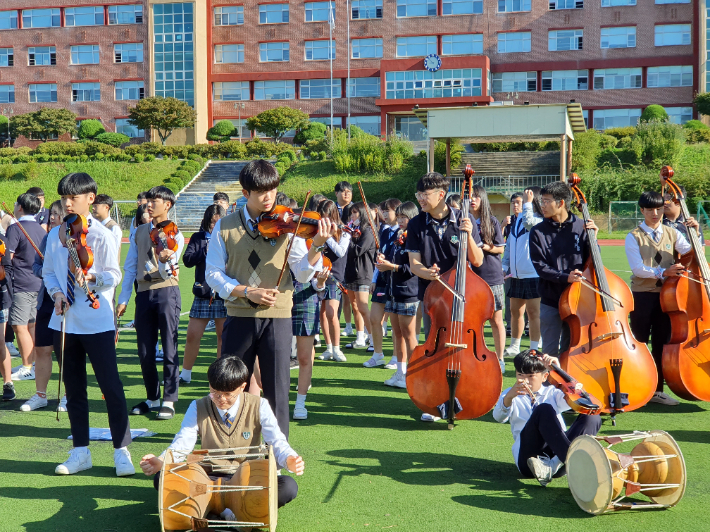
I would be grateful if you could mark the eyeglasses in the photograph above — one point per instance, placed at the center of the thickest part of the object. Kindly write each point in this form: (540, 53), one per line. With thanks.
(424, 195)
(546, 201)
(223, 396)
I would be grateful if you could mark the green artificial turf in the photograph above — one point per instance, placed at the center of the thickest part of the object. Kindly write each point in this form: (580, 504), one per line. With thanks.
(370, 463)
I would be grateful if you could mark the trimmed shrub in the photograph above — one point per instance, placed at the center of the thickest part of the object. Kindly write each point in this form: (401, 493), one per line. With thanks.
(173, 186)
(694, 124)
(88, 129)
(60, 148)
(113, 139)
(607, 141)
(621, 132)
(221, 131)
(99, 156)
(191, 167)
(12, 152)
(230, 149)
(697, 135)
(313, 131)
(182, 175)
(197, 158)
(121, 157)
(654, 112)
(139, 157)
(149, 158)
(322, 156)
(659, 143)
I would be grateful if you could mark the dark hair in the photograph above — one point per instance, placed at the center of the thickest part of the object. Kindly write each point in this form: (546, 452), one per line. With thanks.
(328, 209)
(103, 199)
(485, 214)
(140, 211)
(560, 192)
(315, 201)
(515, 196)
(210, 212)
(220, 196)
(359, 208)
(226, 374)
(58, 205)
(282, 199)
(141, 196)
(162, 193)
(75, 184)
(408, 209)
(390, 204)
(293, 203)
(343, 185)
(36, 191)
(454, 201)
(651, 200)
(537, 196)
(526, 362)
(29, 202)
(433, 181)
(259, 176)
(377, 218)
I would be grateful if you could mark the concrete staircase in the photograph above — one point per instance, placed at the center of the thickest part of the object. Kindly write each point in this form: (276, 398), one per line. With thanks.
(216, 177)
(511, 163)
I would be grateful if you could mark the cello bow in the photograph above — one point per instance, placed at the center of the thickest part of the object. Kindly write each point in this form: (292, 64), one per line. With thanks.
(369, 217)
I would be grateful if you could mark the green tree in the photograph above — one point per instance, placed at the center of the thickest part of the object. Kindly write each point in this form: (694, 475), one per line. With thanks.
(702, 103)
(164, 115)
(88, 129)
(222, 131)
(112, 139)
(654, 112)
(275, 123)
(4, 126)
(44, 123)
(311, 131)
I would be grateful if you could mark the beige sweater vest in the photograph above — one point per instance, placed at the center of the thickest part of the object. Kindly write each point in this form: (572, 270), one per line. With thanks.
(149, 280)
(654, 255)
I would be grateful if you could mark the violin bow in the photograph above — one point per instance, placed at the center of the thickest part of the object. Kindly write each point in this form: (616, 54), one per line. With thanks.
(23, 230)
(290, 244)
(61, 365)
(367, 212)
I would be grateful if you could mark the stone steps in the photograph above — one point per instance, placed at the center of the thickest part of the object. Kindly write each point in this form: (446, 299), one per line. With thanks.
(511, 163)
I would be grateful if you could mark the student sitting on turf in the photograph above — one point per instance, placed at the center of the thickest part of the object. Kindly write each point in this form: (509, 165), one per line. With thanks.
(541, 439)
(228, 418)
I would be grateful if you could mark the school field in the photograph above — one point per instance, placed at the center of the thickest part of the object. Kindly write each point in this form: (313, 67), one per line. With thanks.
(370, 463)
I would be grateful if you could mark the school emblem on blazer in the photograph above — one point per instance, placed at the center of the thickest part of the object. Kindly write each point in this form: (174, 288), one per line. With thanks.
(668, 247)
(455, 239)
(246, 434)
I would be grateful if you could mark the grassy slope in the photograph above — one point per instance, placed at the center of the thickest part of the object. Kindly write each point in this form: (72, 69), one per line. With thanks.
(370, 463)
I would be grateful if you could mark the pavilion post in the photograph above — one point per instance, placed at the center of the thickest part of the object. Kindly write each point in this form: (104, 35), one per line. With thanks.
(569, 156)
(563, 157)
(448, 157)
(432, 144)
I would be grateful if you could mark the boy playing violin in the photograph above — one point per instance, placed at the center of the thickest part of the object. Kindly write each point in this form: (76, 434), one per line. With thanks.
(541, 438)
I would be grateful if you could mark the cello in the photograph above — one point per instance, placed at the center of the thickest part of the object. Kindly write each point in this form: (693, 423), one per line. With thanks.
(453, 374)
(603, 354)
(686, 357)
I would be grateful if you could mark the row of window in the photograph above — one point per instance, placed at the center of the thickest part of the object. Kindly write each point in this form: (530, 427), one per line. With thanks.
(83, 54)
(228, 91)
(73, 16)
(369, 124)
(608, 118)
(80, 92)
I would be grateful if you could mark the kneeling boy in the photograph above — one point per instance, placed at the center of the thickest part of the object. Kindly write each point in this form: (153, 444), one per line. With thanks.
(541, 437)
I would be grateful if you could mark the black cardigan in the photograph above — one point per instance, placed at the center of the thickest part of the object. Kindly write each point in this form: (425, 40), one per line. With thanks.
(361, 258)
(195, 256)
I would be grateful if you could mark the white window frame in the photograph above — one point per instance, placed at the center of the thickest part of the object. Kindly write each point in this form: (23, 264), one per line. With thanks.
(618, 78)
(7, 57)
(289, 89)
(274, 11)
(128, 89)
(461, 7)
(579, 79)
(628, 37)
(265, 48)
(663, 36)
(512, 37)
(514, 81)
(32, 56)
(366, 9)
(9, 20)
(224, 52)
(307, 86)
(514, 6)
(472, 40)
(366, 86)
(311, 7)
(234, 91)
(556, 5)
(316, 48)
(86, 88)
(129, 130)
(659, 2)
(416, 8)
(32, 14)
(7, 94)
(575, 38)
(122, 52)
(50, 87)
(428, 41)
(229, 16)
(618, 3)
(663, 76)
(71, 14)
(125, 14)
(80, 53)
(358, 46)
(633, 116)
(444, 83)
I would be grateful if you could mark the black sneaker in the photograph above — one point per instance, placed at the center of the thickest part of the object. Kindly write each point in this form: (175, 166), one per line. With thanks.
(8, 391)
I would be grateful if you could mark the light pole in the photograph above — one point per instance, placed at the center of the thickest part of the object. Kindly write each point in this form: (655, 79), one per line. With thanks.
(8, 111)
(239, 107)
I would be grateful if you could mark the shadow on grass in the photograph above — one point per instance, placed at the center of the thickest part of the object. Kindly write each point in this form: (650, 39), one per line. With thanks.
(692, 436)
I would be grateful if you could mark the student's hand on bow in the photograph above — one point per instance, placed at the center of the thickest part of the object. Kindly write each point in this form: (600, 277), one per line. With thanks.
(430, 274)
(591, 225)
(466, 226)
(60, 303)
(326, 229)
(674, 271)
(120, 310)
(549, 361)
(263, 296)
(151, 464)
(383, 265)
(575, 276)
(519, 388)
(295, 464)
(164, 256)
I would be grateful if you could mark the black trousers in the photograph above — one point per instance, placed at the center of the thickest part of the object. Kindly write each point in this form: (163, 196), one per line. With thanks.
(648, 319)
(269, 339)
(101, 350)
(159, 310)
(543, 434)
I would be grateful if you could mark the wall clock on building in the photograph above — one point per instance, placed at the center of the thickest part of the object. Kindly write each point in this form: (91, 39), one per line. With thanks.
(432, 62)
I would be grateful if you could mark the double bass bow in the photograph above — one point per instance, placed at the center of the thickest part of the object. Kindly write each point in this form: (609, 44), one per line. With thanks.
(453, 374)
(686, 357)
(603, 354)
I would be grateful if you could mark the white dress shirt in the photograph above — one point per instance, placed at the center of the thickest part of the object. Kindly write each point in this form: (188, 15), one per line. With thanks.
(80, 317)
(186, 439)
(217, 257)
(117, 233)
(521, 408)
(340, 248)
(633, 255)
(130, 268)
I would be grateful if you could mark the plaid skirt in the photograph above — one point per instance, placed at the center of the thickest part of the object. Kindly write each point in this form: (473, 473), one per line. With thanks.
(403, 309)
(379, 295)
(523, 288)
(332, 291)
(305, 315)
(202, 309)
(498, 296)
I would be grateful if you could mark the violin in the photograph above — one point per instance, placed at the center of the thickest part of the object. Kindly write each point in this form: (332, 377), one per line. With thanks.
(163, 236)
(453, 374)
(401, 238)
(686, 300)
(282, 220)
(3, 250)
(72, 235)
(603, 354)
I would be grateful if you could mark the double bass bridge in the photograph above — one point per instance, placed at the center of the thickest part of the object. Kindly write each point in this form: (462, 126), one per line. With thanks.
(461, 346)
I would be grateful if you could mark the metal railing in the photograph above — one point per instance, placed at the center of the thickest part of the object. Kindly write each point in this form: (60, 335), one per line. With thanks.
(505, 185)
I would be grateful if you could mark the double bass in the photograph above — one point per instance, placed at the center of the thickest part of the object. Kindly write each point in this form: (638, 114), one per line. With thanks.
(603, 354)
(453, 374)
(686, 300)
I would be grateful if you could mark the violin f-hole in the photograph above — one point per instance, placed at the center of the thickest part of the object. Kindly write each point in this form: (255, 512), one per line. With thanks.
(427, 353)
(475, 346)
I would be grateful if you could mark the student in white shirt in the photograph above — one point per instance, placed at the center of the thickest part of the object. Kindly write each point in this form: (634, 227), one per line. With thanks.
(541, 439)
(101, 210)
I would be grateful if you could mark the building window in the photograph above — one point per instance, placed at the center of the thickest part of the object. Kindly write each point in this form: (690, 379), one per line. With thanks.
(466, 44)
(517, 41)
(228, 53)
(42, 55)
(566, 4)
(230, 91)
(318, 50)
(318, 11)
(416, 46)
(129, 90)
(229, 16)
(273, 52)
(673, 2)
(617, 78)
(84, 16)
(366, 9)
(565, 80)
(670, 76)
(462, 7)
(416, 8)
(41, 18)
(173, 51)
(364, 88)
(513, 6)
(7, 94)
(273, 13)
(86, 54)
(624, 37)
(132, 14)
(672, 35)
(85, 92)
(679, 115)
(128, 52)
(8, 20)
(514, 82)
(410, 128)
(336, 123)
(318, 88)
(609, 118)
(439, 84)
(369, 124)
(43, 92)
(125, 128)
(275, 90)
(238, 124)
(617, 3)
(562, 40)
(7, 57)
(366, 48)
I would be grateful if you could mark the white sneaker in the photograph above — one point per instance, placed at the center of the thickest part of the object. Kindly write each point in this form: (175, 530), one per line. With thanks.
(543, 468)
(62, 406)
(300, 412)
(124, 465)
(398, 380)
(130, 325)
(79, 460)
(159, 355)
(34, 402)
(327, 355)
(18, 368)
(24, 374)
(356, 345)
(12, 349)
(429, 418)
(343, 332)
(338, 355)
(374, 361)
(664, 399)
(511, 351)
(210, 326)
(392, 364)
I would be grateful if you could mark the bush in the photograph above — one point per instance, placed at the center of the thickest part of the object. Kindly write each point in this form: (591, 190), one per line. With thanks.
(88, 129)
(618, 157)
(60, 148)
(322, 156)
(121, 157)
(289, 155)
(654, 112)
(113, 139)
(659, 143)
(182, 175)
(586, 150)
(440, 155)
(221, 131)
(99, 156)
(139, 157)
(191, 167)
(607, 141)
(691, 124)
(173, 186)
(621, 132)
(281, 168)
(149, 158)
(230, 149)
(259, 148)
(697, 135)
(313, 131)
(196, 158)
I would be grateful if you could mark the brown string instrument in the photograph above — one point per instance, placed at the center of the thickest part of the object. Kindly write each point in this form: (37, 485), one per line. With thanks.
(453, 374)
(686, 300)
(603, 354)
(282, 220)
(163, 236)
(72, 235)
(3, 250)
